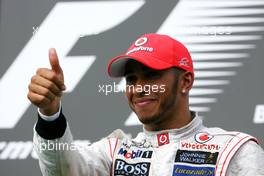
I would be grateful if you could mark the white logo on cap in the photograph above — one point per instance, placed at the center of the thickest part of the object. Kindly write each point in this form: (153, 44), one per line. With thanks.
(141, 41)
(184, 62)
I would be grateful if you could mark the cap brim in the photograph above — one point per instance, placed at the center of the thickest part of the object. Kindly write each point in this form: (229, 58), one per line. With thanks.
(116, 66)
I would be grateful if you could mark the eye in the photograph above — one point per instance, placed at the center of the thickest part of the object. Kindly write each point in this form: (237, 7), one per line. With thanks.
(152, 74)
(130, 79)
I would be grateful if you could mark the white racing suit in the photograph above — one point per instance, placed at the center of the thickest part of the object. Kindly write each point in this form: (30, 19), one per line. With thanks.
(193, 150)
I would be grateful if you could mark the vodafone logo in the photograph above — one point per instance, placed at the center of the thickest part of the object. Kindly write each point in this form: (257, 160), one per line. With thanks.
(163, 139)
(141, 41)
(203, 137)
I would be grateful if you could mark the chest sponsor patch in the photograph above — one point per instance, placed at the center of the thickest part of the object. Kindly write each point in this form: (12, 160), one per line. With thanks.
(131, 169)
(132, 154)
(198, 146)
(184, 170)
(196, 157)
(163, 139)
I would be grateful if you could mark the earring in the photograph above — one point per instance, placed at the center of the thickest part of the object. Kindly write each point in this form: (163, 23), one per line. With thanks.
(183, 91)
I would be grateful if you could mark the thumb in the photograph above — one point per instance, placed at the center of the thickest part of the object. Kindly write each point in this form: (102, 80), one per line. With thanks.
(55, 65)
(54, 61)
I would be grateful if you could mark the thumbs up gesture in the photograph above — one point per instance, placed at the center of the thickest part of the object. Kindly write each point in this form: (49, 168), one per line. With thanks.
(47, 85)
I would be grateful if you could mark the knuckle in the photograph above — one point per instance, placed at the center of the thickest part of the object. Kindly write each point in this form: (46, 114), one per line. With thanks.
(42, 98)
(53, 76)
(39, 70)
(33, 79)
(50, 85)
(29, 87)
(46, 92)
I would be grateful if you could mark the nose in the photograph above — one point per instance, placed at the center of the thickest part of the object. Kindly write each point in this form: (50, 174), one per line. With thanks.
(140, 89)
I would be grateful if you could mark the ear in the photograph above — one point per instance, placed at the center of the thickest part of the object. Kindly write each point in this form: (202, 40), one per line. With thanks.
(187, 79)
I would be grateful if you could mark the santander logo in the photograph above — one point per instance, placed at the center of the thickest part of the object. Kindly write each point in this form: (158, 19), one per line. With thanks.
(203, 137)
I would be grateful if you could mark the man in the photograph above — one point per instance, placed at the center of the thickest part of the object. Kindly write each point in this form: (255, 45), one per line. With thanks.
(174, 140)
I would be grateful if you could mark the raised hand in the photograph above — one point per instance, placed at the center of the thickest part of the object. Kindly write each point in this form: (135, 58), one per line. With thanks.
(46, 87)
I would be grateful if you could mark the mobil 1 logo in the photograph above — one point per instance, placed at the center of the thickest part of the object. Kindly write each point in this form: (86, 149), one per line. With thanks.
(131, 169)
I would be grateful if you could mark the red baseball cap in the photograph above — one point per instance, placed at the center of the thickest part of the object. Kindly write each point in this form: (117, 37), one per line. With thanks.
(155, 51)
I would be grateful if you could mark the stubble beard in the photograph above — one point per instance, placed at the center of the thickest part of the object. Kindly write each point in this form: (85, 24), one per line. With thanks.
(165, 109)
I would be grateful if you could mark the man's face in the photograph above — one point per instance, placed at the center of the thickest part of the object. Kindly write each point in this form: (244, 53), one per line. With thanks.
(151, 93)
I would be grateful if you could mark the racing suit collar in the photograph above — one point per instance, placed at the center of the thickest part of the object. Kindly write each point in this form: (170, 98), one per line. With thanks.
(158, 138)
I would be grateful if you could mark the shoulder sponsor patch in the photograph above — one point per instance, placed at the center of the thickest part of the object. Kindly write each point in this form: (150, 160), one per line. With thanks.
(196, 157)
(121, 167)
(185, 170)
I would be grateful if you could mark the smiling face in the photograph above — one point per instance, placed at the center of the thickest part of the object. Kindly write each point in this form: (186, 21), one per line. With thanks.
(152, 94)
